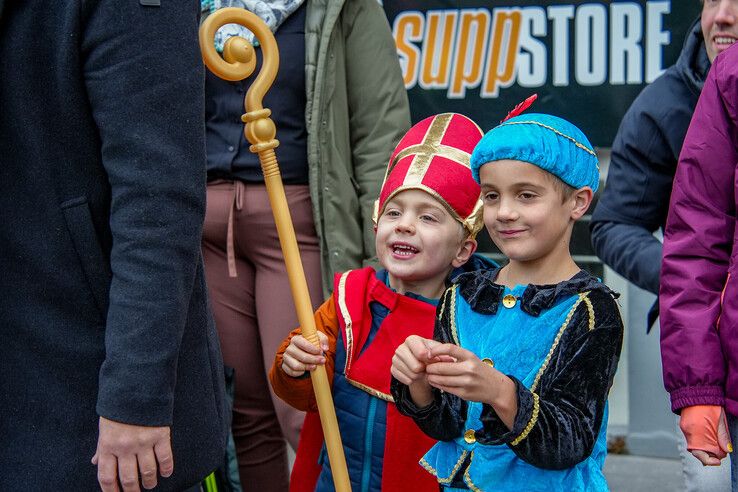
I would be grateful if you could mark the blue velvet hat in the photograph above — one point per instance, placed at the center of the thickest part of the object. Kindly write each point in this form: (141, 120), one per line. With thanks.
(546, 141)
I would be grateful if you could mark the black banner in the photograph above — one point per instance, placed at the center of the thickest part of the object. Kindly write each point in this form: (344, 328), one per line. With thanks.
(586, 60)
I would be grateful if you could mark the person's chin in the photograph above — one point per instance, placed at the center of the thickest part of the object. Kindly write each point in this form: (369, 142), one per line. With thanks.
(403, 272)
(517, 255)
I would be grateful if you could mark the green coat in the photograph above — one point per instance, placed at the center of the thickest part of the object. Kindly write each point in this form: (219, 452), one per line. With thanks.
(357, 110)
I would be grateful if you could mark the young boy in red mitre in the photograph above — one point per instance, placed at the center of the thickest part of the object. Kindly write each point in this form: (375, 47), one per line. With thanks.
(426, 219)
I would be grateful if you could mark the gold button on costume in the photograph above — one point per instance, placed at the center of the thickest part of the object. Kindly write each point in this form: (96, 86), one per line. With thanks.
(509, 301)
(469, 436)
(489, 362)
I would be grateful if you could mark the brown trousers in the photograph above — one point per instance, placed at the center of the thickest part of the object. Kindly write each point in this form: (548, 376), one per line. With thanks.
(253, 308)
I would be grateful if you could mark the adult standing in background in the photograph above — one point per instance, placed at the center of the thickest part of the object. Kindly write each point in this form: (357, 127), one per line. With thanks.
(340, 106)
(698, 296)
(644, 158)
(108, 349)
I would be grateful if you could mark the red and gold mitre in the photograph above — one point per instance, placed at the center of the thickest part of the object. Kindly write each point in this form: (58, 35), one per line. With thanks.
(434, 156)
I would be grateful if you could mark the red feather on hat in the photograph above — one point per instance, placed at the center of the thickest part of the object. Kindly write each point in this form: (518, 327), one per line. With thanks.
(520, 108)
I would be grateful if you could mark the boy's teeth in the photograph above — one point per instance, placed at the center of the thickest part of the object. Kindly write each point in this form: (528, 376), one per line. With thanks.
(722, 40)
(404, 250)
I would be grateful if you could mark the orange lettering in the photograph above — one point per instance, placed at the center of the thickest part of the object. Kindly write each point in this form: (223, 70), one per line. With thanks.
(439, 38)
(502, 51)
(408, 28)
(469, 52)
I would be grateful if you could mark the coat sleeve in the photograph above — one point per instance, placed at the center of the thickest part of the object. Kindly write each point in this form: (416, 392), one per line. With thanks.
(633, 203)
(379, 111)
(298, 392)
(143, 74)
(697, 249)
(558, 421)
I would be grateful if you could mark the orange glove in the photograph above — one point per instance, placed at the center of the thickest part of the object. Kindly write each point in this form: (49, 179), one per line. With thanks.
(706, 430)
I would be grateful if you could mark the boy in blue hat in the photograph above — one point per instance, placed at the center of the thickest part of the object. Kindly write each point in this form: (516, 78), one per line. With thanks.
(515, 383)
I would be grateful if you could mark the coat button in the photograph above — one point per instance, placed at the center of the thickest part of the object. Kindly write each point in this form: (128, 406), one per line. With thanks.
(469, 436)
(509, 301)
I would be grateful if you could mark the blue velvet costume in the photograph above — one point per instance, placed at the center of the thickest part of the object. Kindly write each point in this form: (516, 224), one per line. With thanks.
(560, 344)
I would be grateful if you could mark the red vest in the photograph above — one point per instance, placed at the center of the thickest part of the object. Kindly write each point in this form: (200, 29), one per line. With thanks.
(404, 444)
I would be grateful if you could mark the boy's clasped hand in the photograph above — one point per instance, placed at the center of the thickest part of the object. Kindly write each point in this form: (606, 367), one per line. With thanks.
(447, 367)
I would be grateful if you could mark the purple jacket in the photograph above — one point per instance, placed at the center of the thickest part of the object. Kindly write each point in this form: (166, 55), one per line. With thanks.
(698, 298)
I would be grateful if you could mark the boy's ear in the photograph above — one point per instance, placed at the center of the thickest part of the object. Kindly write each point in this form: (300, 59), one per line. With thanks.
(466, 250)
(582, 199)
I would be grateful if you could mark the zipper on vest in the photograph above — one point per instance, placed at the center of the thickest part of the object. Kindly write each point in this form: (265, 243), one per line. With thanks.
(366, 472)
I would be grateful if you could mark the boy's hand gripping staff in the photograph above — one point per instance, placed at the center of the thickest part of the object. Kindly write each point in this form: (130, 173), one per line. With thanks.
(237, 63)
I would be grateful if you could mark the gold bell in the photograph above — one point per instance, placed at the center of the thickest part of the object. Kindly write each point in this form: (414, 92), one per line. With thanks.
(509, 301)
(469, 436)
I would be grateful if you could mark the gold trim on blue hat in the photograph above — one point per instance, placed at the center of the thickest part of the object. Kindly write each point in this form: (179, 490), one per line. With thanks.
(557, 132)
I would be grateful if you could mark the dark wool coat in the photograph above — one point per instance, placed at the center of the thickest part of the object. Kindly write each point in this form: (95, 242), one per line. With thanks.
(103, 306)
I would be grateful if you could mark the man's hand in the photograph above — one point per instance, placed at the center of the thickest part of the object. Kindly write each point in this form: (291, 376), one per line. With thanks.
(706, 430)
(124, 451)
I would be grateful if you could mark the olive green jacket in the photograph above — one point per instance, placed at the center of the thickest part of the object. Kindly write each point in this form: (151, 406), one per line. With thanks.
(357, 110)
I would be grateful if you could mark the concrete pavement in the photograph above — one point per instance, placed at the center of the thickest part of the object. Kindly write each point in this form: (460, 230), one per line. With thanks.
(626, 473)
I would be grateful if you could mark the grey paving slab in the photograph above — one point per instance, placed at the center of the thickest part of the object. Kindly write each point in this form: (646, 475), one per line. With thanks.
(626, 473)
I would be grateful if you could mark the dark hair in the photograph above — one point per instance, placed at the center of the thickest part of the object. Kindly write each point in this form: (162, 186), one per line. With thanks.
(565, 190)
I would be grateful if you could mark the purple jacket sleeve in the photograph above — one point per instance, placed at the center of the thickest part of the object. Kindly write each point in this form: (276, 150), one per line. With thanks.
(697, 247)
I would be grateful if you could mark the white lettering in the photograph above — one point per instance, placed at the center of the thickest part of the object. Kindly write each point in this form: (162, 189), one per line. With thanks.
(531, 65)
(560, 15)
(625, 36)
(655, 38)
(591, 44)
(489, 49)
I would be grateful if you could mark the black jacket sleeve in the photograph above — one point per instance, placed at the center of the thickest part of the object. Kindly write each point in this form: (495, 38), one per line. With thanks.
(144, 78)
(559, 418)
(635, 198)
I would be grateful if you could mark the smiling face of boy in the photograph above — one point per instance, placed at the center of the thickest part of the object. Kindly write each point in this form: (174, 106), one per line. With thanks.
(418, 242)
(526, 214)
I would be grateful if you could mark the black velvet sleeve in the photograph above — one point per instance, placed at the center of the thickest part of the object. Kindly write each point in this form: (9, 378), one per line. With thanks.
(444, 418)
(558, 422)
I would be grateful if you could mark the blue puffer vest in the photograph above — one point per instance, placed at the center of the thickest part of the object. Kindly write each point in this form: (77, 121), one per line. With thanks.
(362, 421)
